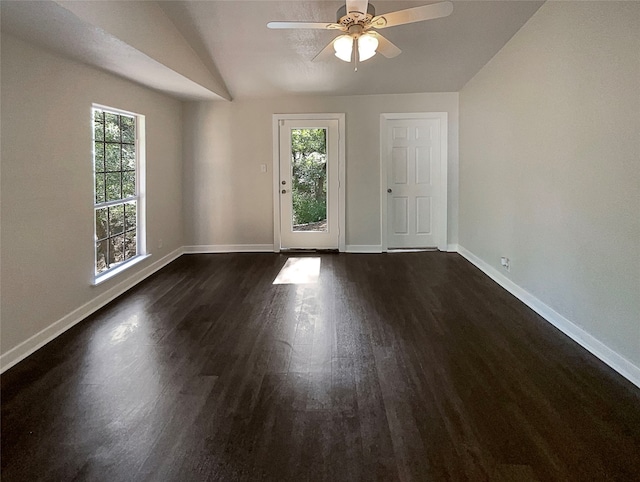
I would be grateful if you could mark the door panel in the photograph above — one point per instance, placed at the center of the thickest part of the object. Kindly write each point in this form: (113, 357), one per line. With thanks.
(309, 184)
(423, 165)
(400, 165)
(423, 215)
(400, 215)
(400, 132)
(413, 176)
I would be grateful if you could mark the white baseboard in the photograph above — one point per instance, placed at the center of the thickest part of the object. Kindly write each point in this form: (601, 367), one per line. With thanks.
(364, 248)
(377, 248)
(616, 361)
(229, 248)
(37, 341)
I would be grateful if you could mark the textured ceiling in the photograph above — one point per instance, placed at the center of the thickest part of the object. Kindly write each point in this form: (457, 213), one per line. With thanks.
(437, 55)
(215, 49)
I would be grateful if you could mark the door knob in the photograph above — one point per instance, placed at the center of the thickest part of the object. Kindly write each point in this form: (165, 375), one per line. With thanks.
(389, 191)
(284, 191)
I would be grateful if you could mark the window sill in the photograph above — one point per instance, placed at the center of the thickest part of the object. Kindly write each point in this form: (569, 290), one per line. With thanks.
(115, 271)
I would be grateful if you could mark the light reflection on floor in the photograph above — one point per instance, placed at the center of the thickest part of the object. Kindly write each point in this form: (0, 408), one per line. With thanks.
(125, 329)
(299, 271)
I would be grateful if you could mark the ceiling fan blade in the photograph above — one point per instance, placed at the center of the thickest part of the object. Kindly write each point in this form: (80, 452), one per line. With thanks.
(325, 54)
(410, 15)
(386, 47)
(357, 9)
(311, 25)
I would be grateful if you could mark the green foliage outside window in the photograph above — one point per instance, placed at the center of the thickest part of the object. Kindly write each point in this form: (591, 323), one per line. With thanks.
(115, 180)
(309, 175)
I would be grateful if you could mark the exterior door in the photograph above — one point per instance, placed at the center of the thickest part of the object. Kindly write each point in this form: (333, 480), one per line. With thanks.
(309, 183)
(413, 182)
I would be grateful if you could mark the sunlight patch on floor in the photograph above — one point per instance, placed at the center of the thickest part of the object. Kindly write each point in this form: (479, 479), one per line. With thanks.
(125, 329)
(299, 271)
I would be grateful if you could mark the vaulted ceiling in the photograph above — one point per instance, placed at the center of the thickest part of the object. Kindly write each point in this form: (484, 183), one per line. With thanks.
(223, 49)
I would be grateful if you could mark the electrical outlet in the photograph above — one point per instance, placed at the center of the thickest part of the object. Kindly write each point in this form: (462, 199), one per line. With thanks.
(160, 243)
(263, 168)
(506, 264)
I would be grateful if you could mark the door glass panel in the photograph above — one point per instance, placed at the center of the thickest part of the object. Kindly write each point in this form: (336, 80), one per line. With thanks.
(309, 179)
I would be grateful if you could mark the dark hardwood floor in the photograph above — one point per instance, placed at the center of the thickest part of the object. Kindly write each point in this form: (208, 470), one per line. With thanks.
(392, 367)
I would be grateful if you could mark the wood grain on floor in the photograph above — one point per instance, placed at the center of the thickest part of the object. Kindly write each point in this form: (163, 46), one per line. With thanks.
(391, 367)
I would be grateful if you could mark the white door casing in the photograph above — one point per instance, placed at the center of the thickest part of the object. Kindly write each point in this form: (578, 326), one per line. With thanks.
(284, 235)
(413, 174)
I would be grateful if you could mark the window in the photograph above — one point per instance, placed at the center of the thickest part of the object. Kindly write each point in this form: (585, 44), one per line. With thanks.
(117, 188)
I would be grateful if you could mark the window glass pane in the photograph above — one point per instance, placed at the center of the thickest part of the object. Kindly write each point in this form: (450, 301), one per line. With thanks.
(101, 255)
(111, 127)
(100, 195)
(98, 115)
(113, 186)
(130, 246)
(128, 183)
(115, 166)
(127, 125)
(130, 216)
(113, 157)
(115, 248)
(101, 224)
(98, 130)
(128, 157)
(309, 179)
(116, 219)
(99, 156)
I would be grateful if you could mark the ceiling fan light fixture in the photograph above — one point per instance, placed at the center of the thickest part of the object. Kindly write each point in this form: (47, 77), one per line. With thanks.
(356, 18)
(343, 45)
(367, 46)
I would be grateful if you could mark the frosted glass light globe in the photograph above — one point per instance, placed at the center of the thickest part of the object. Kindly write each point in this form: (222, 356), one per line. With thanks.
(343, 46)
(367, 45)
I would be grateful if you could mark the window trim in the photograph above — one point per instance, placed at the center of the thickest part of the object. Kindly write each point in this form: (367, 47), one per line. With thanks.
(139, 197)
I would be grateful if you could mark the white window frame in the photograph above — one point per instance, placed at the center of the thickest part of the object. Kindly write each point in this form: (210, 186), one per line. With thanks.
(139, 197)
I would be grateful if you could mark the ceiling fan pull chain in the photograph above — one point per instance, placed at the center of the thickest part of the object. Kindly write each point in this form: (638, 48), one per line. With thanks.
(356, 57)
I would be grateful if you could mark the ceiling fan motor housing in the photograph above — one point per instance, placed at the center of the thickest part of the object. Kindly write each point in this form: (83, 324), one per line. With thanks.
(349, 19)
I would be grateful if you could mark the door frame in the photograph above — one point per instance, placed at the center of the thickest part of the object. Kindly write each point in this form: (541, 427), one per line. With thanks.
(441, 215)
(276, 118)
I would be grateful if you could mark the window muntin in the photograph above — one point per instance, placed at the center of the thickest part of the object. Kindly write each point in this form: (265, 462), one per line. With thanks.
(116, 189)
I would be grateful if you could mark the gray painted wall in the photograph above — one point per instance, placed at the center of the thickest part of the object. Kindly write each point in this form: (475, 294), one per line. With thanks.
(229, 201)
(47, 183)
(550, 165)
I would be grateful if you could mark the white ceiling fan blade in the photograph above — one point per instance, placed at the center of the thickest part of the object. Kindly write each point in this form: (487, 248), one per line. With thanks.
(357, 9)
(410, 15)
(325, 54)
(386, 47)
(311, 25)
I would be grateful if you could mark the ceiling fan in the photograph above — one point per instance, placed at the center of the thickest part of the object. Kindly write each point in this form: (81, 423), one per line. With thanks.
(357, 19)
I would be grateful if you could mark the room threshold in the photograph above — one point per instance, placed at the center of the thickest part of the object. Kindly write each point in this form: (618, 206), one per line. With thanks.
(310, 250)
(410, 250)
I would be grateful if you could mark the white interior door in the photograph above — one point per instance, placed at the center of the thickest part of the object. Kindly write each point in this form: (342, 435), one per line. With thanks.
(309, 183)
(412, 155)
